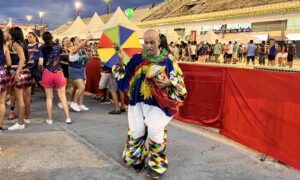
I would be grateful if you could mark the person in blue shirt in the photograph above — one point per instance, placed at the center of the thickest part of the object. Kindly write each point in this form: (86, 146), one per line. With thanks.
(53, 77)
(251, 52)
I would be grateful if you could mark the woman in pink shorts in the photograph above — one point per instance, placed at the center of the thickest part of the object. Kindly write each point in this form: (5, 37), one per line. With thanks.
(53, 77)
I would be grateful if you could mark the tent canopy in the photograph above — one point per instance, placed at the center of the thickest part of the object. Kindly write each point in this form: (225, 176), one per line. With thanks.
(210, 37)
(94, 24)
(119, 18)
(75, 30)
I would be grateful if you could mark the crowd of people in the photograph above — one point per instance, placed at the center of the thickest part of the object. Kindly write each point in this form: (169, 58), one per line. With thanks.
(152, 80)
(25, 62)
(281, 53)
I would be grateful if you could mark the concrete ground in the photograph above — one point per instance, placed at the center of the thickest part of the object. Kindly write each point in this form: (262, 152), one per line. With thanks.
(91, 148)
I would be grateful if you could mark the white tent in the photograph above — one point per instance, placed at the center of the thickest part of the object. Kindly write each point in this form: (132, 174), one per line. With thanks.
(26, 31)
(119, 18)
(210, 37)
(243, 38)
(94, 24)
(75, 30)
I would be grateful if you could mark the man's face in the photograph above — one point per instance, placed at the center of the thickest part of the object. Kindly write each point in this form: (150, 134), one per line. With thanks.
(31, 38)
(272, 42)
(151, 45)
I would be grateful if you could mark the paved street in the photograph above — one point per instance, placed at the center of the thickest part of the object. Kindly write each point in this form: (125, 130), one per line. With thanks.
(91, 148)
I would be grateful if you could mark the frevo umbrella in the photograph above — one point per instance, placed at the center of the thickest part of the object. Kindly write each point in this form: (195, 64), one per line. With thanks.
(114, 39)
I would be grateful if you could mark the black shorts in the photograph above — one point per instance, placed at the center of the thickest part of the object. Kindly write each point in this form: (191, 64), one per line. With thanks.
(65, 69)
(290, 58)
(193, 57)
(271, 57)
(229, 56)
(250, 57)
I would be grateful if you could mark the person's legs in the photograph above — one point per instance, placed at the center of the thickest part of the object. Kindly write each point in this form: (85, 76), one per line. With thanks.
(12, 101)
(49, 101)
(63, 99)
(2, 107)
(135, 151)
(122, 97)
(27, 97)
(21, 105)
(81, 98)
(78, 83)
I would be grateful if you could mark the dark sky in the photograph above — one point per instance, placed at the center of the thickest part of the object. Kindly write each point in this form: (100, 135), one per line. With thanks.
(58, 12)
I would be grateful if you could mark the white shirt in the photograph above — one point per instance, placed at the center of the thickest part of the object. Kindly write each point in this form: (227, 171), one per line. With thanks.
(230, 49)
(193, 49)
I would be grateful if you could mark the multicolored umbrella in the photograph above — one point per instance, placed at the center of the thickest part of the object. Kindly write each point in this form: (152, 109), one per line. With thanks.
(117, 38)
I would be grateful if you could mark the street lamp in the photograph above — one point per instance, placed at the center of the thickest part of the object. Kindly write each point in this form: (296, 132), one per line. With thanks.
(41, 15)
(107, 6)
(29, 18)
(78, 6)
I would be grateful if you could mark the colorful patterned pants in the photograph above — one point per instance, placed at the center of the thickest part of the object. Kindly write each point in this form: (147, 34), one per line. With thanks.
(136, 152)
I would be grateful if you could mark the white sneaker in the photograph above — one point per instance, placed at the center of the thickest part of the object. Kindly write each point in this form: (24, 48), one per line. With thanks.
(49, 121)
(68, 121)
(27, 121)
(74, 107)
(60, 105)
(8, 103)
(83, 108)
(17, 126)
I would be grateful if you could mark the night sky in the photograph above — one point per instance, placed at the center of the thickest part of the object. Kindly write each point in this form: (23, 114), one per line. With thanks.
(58, 12)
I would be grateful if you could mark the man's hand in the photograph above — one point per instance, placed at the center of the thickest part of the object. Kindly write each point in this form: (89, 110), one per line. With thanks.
(162, 83)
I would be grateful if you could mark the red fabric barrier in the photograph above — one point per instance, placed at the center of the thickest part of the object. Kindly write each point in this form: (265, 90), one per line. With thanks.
(93, 74)
(262, 111)
(205, 89)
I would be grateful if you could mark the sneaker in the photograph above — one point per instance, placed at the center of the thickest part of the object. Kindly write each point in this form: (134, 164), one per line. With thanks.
(8, 103)
(68, 121)
(60, 105)
(17, 126)
(49, 121)
(83, 108)
(153, 174)
(113, 112)
(74, 107)
(0, 130)
(11, 115)
(27, 121)
(106, 102)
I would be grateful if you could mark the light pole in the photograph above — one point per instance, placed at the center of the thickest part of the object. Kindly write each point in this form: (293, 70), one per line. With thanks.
(41, 15)
(107, 6)
(29, 18)
(78, 6)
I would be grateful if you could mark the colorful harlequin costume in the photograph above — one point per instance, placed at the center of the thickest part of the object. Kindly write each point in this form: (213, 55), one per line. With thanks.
(145, 115)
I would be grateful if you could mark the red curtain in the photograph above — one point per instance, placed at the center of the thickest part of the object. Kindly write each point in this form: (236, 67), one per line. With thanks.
(262, 111)
(205, 90)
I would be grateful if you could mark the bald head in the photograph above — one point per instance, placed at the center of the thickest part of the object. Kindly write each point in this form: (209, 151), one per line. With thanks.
(152, 42)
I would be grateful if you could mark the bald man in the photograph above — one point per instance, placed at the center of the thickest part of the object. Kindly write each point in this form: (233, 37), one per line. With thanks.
(145, 116)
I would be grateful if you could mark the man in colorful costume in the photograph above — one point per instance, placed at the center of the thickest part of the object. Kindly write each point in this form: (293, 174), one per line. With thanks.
(145, 115)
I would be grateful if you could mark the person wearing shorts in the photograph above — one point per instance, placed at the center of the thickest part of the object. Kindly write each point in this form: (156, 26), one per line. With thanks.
(77, 72)
(113, 90)
(103, 85)
(20, 75)
(291, 53)
(5, 61)
(53, 77)
(272, 53)
(251, 53)
(217, 51)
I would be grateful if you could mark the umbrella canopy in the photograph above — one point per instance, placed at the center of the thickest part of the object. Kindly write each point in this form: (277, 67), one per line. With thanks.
(116, 38)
